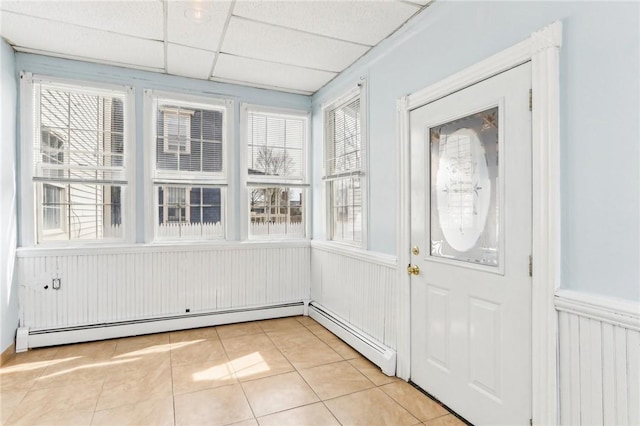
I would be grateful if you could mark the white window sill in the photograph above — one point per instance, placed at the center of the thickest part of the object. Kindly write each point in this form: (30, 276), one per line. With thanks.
(164, 246)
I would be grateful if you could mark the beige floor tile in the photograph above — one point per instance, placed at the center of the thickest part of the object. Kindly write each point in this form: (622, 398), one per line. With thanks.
(321, 332)
(59, 417)
(196, 351)
(157, 412)
(243, 345)
(9, 400)
(309, 415)
(307, 321)
(132, 364)
(337, 379)
(241, 329)
(417, 403)
(46, 405)
(308, 356)
(448, 420)
(278, 393)
(258, 364)
(280, 324)
(76, 370)
(95, 350)
(219, 406)
(32, 356)
(193, 334)
(123, 389)
(21, 376)
(372, 371)
(369, 407)
(151, 342)
(343, 349)
(250, 422)
(293, 337)
(205, 375)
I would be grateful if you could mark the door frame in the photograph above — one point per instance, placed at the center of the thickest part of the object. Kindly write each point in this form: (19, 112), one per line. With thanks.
(542, 49)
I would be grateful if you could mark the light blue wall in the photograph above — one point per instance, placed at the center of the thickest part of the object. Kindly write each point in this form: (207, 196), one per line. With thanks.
(600, 155)
(8, 197)
(140, 80)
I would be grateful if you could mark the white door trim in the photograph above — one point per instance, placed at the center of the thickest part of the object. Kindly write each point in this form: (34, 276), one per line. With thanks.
(542, 48)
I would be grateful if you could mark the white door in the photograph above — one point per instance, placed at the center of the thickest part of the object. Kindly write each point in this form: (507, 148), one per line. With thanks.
(471, 240)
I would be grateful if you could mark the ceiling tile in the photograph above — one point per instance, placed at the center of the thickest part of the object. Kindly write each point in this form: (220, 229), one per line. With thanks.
(420, 2)
(204, 35)
(189, 62)
(136, 18)
(77, 42)
(276, 44)
(366, 22)
(251, 71)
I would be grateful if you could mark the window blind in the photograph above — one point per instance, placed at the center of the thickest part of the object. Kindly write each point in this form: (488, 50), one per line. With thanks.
(275, 146)
(78, 136)
(344, 140)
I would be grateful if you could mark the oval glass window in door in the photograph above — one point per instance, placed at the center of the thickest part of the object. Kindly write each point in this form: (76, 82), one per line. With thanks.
(464, 188)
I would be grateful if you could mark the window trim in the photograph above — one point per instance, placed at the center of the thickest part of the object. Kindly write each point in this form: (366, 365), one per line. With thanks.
(30, 232)
(222, 179)
(165, 203)
(62, 208)
(273, 181)
(181, 114)
(359, 91)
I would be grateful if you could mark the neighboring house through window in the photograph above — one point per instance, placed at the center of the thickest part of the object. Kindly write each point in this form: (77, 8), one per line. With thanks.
(189, 177)
(79, 172)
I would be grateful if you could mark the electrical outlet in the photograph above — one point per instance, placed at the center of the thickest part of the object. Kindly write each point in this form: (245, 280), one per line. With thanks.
(55, 283)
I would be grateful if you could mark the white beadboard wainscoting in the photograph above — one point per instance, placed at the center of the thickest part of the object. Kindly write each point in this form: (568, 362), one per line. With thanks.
(359, 289)
(599, 350)
(110, 292)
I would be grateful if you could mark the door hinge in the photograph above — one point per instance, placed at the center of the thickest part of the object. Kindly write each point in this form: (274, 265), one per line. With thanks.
(530, 99)
(530, 422)
(530, 265)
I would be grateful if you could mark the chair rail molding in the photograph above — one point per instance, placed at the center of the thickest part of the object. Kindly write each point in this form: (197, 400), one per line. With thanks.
(542, 49)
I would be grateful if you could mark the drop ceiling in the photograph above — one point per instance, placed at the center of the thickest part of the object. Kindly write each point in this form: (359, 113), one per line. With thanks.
(294, 46)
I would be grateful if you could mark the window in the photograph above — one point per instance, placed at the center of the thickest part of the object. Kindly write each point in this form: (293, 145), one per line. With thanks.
(79, 159)
(276, 147)
(177, 130)
(189, 177)
(344, 170)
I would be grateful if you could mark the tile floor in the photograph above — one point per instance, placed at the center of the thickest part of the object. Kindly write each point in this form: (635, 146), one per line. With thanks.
(288, 371)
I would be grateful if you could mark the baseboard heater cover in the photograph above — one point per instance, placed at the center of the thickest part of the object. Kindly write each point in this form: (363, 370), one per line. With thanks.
(67, 335)
(376, 352)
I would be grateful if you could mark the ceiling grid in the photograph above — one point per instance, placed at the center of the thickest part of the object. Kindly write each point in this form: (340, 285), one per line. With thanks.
(293, 46)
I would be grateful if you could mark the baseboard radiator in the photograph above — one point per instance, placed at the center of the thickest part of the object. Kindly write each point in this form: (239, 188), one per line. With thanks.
(34, 338)
(381, 355)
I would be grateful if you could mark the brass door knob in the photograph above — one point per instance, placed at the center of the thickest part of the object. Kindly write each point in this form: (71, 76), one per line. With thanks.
(413, 270)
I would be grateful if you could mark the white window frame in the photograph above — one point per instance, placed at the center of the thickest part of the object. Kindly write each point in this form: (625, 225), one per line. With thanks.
(177, 178)
(62, 209)
(181, 114)
(30, 192)
(247, 180)
(166, 206)
(360, 90)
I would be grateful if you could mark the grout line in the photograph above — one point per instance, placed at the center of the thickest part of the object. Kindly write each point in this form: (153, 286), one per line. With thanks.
(239, 383)
(341, 40)
(437, 401)
(173, 393)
